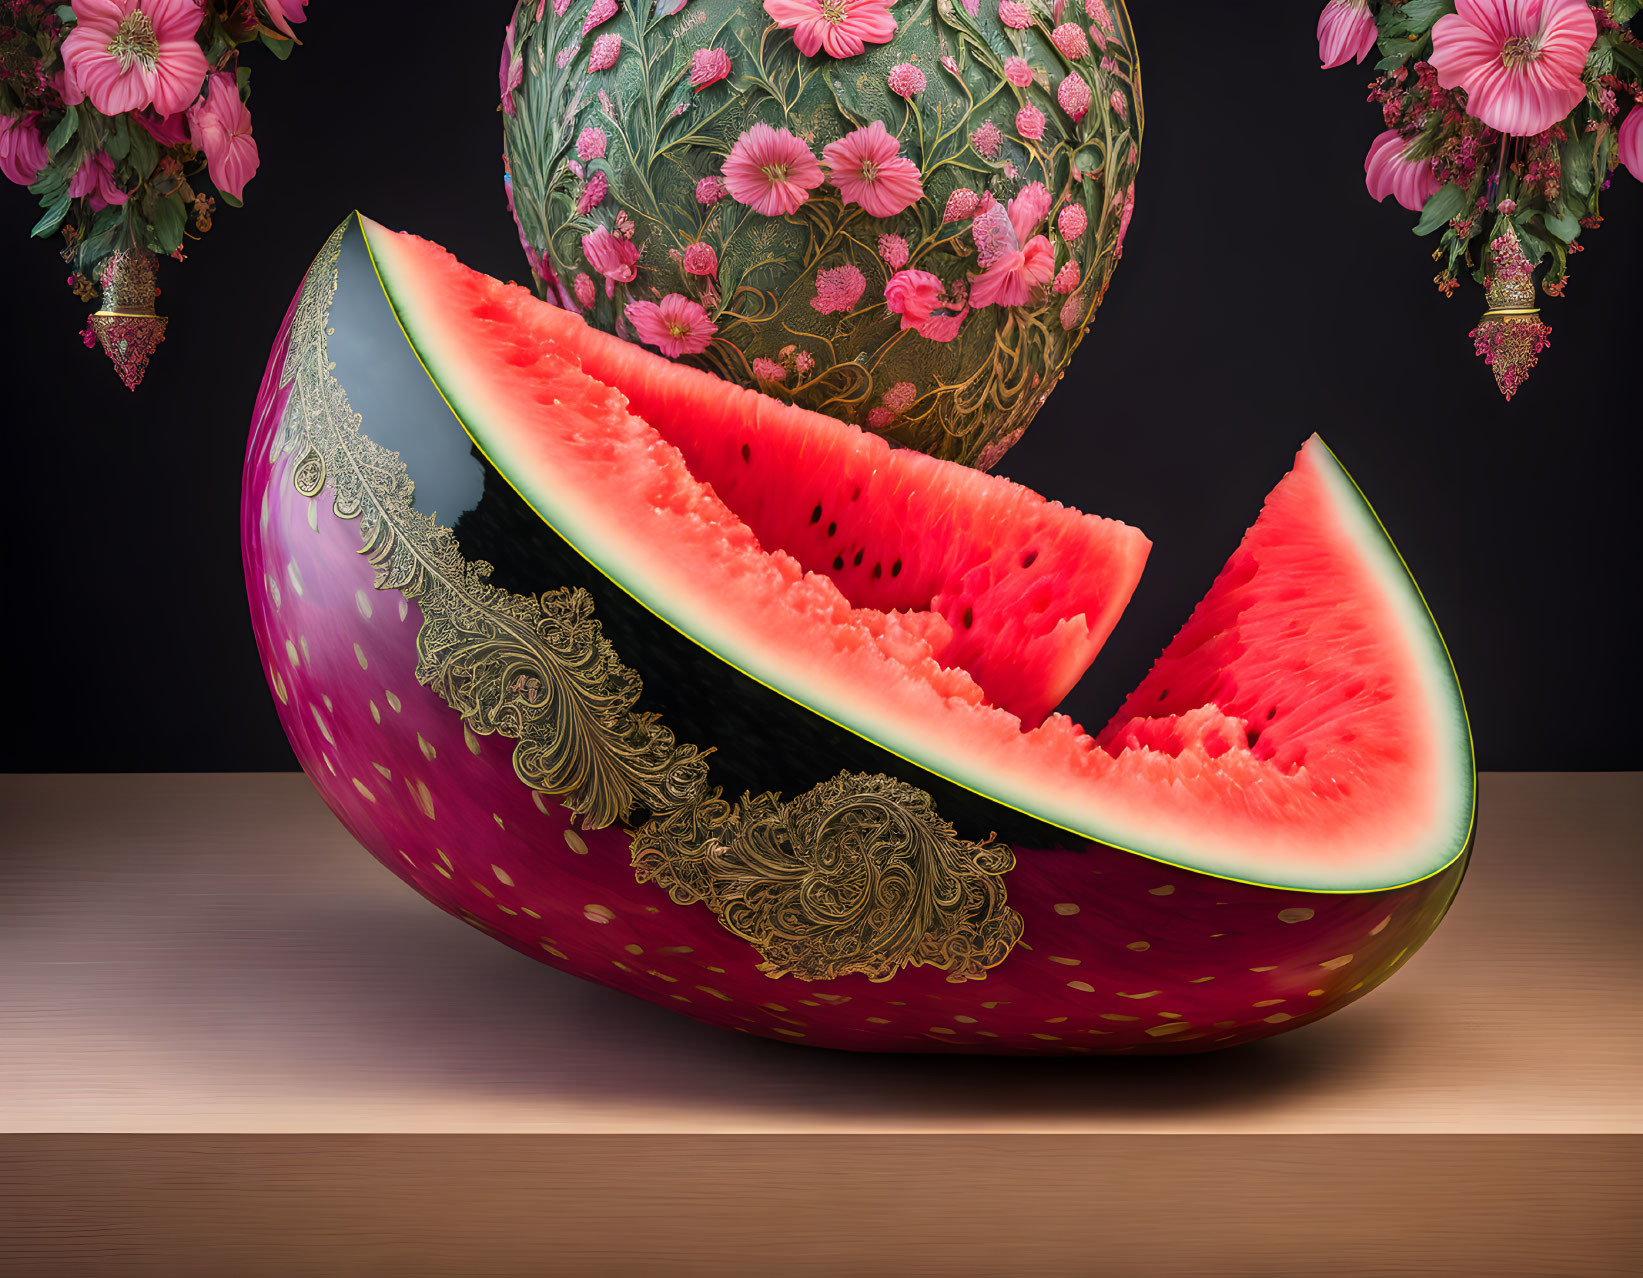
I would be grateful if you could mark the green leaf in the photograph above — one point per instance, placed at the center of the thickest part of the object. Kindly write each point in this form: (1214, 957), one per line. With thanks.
(1562, 225)
(53, 217)
(1447, 203)
(242, 82)
(229, 200)
(118, 144)
(65, 130)
(280, 47)
(1534, 248)
(145, 152)
(1623, 11)
(1392, 62)
(66, 15)
(166, 220)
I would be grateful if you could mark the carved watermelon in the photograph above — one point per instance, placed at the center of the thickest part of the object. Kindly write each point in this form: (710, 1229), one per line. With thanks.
(904, 218)
(732, 707)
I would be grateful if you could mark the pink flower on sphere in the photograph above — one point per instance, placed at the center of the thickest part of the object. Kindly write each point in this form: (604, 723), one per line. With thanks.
(1066, 279)
(583, 287)
(1097, 9)
(128, 54)
(1346, 30)
(804, 361)
(838, 289)
(1387, 172)
(1074, 96)
(1017, 72)
(1015, 259)
(708, 66)
(987, 139)
(711, 189)
(615, 258)
(879, 418)
(606, 49)
(602, 11)
(220, 126)
(1070, 40)
(700, 259)
(590, 144)
(1029, 123)
(771, 171)
(960, 205)
(1124, 222)
(768, 370)
(905, 80)
(512, 71)
(843, 28)
(1630, 142)
(899, 398)
(23, 151)
(1119, 106)
(563, 58)
(675, 326)
(94, 180)
(893, 251)
(593, 194)
(1072, 221)
(1072, 310)
(1014, 14)
(921, 301)
(868, 168)
(1520, 61)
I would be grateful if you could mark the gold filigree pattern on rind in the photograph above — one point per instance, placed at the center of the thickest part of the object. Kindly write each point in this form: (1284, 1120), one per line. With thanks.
(860, 874)
(537, 669)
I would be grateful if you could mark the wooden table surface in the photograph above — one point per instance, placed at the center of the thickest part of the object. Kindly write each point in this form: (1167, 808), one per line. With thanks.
(230, 1042)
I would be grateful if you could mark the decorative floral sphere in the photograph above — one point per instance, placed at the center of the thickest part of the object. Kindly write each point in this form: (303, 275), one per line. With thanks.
(904, 217)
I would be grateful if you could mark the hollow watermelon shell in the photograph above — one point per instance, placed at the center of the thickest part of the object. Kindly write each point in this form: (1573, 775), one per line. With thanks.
(1113, 950)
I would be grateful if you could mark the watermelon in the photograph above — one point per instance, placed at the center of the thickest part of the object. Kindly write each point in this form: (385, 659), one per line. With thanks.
(988, 151)
(734, 707)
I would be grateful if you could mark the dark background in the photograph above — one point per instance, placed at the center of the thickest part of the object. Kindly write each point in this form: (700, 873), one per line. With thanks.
(1262, 296)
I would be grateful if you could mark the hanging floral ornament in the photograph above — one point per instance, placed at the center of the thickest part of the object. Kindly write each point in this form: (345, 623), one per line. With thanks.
(127, 119)
(1503, 123)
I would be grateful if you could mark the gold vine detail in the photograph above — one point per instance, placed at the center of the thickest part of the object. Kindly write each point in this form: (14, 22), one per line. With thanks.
(860, 874)
(535, 668)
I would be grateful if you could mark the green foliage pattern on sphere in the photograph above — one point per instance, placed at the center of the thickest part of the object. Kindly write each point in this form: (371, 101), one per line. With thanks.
(626, 147)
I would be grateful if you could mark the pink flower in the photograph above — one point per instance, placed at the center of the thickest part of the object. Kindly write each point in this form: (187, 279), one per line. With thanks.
(700, 259)
(893, 250)
(804, 361)
(899, 398)
(128, 54)
(905, 80)
(1074, 96)
(1520, 61)
(1072, 221)
(987, 139)
(606, 49)
(512, 70)
(768, 370)
(920, 300)
(1346, 30)
(221, 127)
(1097, 9)
(167, 131)
(1029, 123)
(1124, 222)
(562, 59)
(770, 171)
(282, 13)
(1118, 105)
(23, 151)
(1629, 144)
(1017, 72)
(590, 144)
(708, 66)
(1066, 279)
(711, 189)
(879, 418)
(615, 258)
(868, 168)
(584, 289)
(593, 194)
(1072, 311)
(1386, 172)
(1015, 260)
(94, 180)
(1014, 14)
(675, 326)
(1069, 39)
(843, 28)
(960, 205)
(602, 11)
(838, 289)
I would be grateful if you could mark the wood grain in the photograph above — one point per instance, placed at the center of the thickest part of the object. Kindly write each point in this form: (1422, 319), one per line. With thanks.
(231, 1043)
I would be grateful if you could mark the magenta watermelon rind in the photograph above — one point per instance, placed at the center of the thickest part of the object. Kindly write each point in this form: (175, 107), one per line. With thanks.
(1456, 834)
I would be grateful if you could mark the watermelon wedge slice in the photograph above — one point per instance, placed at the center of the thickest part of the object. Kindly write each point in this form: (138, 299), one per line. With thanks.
(790, 693)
